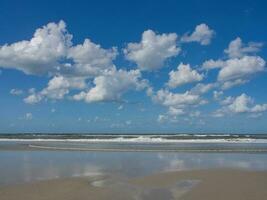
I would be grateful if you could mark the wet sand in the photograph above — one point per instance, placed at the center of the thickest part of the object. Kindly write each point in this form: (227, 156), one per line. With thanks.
(219, 184)
(215, 184)
(117, 147)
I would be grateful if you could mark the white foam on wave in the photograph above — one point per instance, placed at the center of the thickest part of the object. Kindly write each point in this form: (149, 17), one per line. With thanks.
(141, 139)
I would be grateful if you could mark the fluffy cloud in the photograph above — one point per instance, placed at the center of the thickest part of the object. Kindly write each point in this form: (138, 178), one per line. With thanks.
(152, 50)
(183, 75)
(227, 100)
(239, 68)
(240, 104)
(111, 86)
(213, 64)
(179, 103)
(33, 98)
(50, 51)
(202, 88)
(237, 49)
(173, 115)
(175, 111)
(40, 54)
(202, 34)
(90, 58)
(236, 71)
(229, 84)
(177, 100)
(57, 88)
(236, 68)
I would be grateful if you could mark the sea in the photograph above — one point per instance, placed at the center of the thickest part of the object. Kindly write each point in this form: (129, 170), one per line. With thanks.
(141, 142)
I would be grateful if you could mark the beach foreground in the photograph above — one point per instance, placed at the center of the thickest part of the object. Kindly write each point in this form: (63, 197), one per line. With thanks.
(187, 185)
(79, 170)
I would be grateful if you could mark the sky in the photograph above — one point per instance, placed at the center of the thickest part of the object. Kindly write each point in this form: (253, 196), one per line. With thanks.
(133, 66)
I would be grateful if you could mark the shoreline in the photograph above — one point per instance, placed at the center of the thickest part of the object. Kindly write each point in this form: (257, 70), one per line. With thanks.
(146, 140)
(144, 148)
(149, 150)
(187, 147)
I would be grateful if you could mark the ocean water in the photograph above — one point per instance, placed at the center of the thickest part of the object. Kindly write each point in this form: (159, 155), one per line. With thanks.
(147, 142)
(143, 138)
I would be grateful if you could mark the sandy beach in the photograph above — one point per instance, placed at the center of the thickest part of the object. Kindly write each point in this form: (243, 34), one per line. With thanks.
(63, 173)
(215, 184)
(207, 184)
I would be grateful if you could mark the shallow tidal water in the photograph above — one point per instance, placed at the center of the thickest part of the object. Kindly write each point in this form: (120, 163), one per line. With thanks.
(19, 166)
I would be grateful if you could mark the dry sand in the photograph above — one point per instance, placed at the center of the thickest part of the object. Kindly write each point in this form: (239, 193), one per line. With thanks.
(209, 185)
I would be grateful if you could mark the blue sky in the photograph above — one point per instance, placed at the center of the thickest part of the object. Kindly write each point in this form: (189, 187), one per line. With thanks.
(139, 66)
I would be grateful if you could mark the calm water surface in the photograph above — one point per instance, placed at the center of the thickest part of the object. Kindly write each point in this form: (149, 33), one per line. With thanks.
(17, 166)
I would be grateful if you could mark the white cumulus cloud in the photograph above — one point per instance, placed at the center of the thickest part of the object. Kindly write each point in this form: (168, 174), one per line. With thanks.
(90, 58)
(175, 111)
(50, 51)
(202, 34)
(178, 103)
(236, 71)
(240, 104)
(229, 84)
(177, 100)
(212, 64)
(237, 49)
(111, 86)
(241, 68)
(152, 51)
(56, 88)
(202, 88)
(40, 54)
(183, 75)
